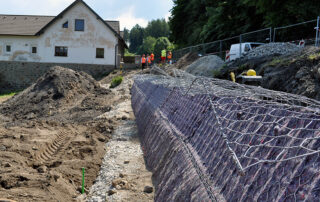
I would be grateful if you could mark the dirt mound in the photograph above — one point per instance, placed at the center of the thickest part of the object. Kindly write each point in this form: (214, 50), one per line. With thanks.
(186, 60)
(205, 66)
(56, 91)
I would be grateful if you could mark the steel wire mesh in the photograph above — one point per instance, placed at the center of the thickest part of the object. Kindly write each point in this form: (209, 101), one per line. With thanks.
(298, 129)
(255, 127)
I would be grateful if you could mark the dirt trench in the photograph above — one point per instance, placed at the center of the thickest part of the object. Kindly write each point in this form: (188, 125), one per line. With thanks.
(47, 138)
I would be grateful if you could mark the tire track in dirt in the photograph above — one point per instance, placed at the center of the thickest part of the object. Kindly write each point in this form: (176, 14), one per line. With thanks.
(53, 150)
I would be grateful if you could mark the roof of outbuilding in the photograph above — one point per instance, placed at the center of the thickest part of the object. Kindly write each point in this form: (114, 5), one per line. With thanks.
(26, 25)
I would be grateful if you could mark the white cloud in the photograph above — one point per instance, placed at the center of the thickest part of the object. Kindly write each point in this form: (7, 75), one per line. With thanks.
(36, 7)
(167, 16)
(128, 20)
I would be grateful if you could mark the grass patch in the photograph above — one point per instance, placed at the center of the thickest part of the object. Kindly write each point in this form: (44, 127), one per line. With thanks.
(282, 62)
(275, 62)
(8, 94)
(314, 56)
(116, 81)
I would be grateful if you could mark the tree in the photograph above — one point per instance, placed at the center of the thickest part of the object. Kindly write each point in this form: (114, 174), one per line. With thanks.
(157, 28)
(126, 35)
(187, 20)
(279, 13)
(197, 21)
(136, 38)
(225, 20)
(148, 45)
(161, 43)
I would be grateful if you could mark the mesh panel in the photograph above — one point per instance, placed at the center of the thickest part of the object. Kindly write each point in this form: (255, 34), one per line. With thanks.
(240, 142)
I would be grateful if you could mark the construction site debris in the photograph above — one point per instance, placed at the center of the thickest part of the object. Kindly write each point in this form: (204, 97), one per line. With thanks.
(205, 66)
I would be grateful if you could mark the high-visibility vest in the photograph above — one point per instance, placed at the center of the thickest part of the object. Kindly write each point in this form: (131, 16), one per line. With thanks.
(149, 60)
(152, 57)
(169, 55)
(163, 53)
(143, 60)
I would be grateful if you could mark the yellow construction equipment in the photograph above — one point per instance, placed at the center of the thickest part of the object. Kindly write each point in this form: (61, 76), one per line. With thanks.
(249, 77)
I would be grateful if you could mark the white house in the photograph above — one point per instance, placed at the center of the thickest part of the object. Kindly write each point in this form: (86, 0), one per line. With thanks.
(76, 35)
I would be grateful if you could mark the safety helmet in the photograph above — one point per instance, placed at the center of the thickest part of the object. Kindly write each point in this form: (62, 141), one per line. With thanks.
(251, 72)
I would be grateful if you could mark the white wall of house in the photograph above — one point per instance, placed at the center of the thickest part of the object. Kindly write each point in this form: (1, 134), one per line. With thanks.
(81, 44)
(20, 48)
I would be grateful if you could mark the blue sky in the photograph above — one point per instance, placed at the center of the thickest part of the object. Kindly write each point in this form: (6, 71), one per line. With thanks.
(129, 12)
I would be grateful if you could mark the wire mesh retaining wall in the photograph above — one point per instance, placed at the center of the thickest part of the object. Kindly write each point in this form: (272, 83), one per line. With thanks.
(308, 31)
(227, 141)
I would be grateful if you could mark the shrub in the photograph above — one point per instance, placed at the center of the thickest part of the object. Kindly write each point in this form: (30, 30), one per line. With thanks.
(116, 81)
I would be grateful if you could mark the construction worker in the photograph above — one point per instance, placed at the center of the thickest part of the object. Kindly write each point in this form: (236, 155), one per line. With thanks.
(149, 60)
(152, 58)
(169, 57)
(163, 56)
(143, 61)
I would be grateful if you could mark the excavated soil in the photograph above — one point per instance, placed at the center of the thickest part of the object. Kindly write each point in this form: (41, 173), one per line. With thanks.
(186, 60)
(52, 130)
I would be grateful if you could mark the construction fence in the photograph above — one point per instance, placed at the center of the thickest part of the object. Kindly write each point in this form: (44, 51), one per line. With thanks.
(307, 31)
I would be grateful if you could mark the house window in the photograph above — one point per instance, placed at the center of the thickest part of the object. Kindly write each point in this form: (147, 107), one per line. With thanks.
(61, 51)
(8, 48)
(34, 50)
(79, 25)
(100, 53)
(65, 25)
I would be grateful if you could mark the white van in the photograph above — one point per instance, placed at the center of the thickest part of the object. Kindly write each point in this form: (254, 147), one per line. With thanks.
(234, 52)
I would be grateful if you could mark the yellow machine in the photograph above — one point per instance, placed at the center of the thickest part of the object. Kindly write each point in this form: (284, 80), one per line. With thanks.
(248, 77)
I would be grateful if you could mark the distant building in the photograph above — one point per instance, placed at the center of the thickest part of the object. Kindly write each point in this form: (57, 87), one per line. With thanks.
(76, 35)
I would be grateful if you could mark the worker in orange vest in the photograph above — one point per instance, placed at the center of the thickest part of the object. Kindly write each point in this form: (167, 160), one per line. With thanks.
(148, 58)
(143, 61)
(169, 57)
(152, 58)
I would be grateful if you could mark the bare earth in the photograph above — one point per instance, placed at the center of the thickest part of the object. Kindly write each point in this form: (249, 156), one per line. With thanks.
(54, 128)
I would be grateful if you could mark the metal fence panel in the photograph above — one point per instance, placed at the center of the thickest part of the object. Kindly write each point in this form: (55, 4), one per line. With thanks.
(296, 32)
(291, 33)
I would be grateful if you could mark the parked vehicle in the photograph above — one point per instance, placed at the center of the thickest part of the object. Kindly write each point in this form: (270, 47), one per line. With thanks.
(235, 50)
